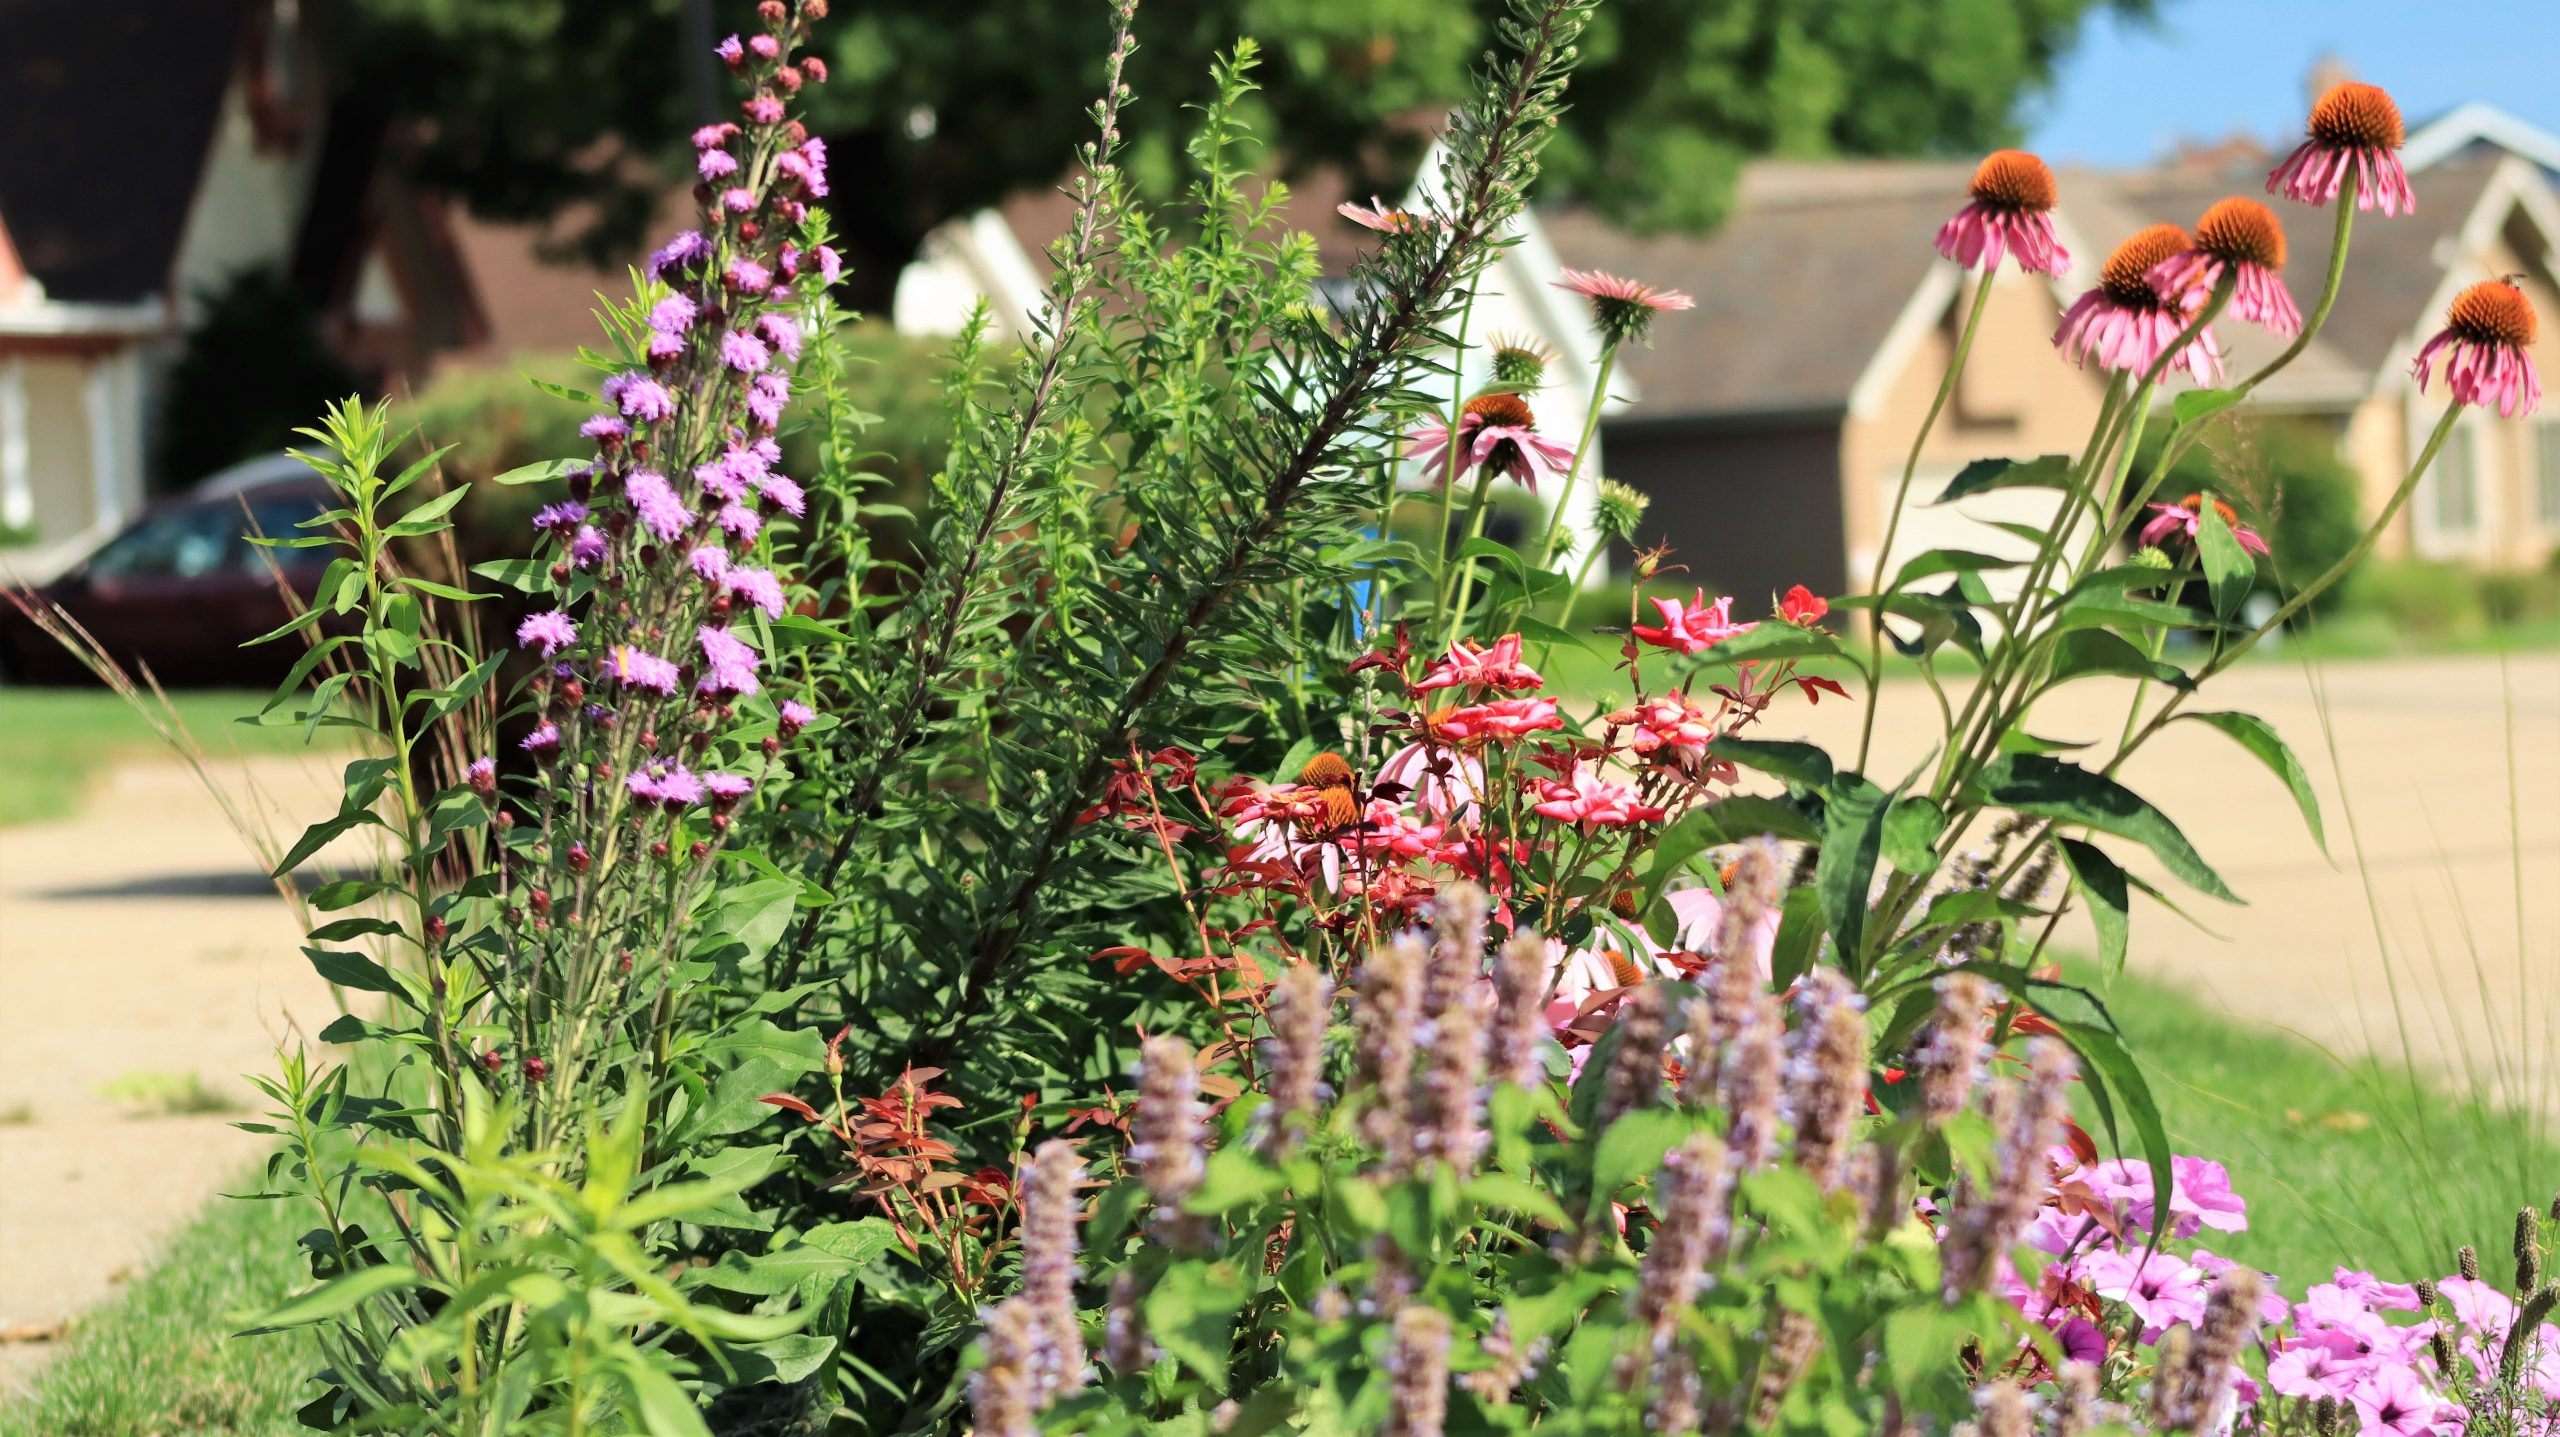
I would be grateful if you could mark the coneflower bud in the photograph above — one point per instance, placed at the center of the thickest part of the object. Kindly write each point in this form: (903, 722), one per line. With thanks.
(1124, 1327)
(2075, 1410)
(1165, 1136)
(1753, 1074)
(1457, 949)
(1950, 1054)
(1519, 361)
(1049, 1241)
(1519, 1009)
(2005, 1412)
(1634, 1077)
(1829, 1089)
(1417, 1364)
(1382, 1051)
(1621, 509)
(1005, 1397)
(1300, 1008)
(2467, 1262)
(2528, 1250)
(1449, 1124)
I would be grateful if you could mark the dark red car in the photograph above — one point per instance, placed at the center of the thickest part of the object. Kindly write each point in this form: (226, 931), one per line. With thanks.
(181, 589)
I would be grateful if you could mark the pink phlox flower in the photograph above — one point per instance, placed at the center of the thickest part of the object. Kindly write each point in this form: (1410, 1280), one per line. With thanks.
(549, 631)
(729, 666)
(654, 500)
(758, 587)
(1496, 665)
(1588, 798)
(1693, 627)
(635, 668)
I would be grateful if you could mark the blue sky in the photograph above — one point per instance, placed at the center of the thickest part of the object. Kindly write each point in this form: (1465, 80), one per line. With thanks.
(2204, 68)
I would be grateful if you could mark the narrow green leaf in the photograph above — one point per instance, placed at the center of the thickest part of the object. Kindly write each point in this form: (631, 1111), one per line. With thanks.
(2229, 572)
(548, 469)
(2084, 652)
(2049, 471)
(2048, 788)
(1911, 829)
(1844, 874)
(2102, 887)
(2255, 735)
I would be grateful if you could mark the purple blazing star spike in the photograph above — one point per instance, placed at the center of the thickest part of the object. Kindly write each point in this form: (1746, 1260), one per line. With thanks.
(727, 788)
(720, 479)
(687, 250)
(748, 277)
(586, 546)
(732, 51)
(739, 522)
(673, 315)
(729, 665)
(715, 165)
(796, 716)
(568, 514)
(744, 352)
(758, 587)
(782, 332)
(544, 741)
(767, 397)
(640, 396)
(605, 429)
(830, 264)
(550, 631)
(738, 200)
(709, 135)
(815, 149)
(639, 669)
(644, 786)
(763, 109)
(655, 501)
(784, 494)
(678, 788)
(665, 348)
(708, 562)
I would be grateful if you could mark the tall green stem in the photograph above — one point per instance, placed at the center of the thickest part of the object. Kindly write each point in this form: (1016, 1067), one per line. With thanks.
(1902, 496)
(1449, 456)
(1581, 450)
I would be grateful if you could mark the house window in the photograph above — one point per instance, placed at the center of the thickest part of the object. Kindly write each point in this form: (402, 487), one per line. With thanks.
(2546, 478)
(2448, 500)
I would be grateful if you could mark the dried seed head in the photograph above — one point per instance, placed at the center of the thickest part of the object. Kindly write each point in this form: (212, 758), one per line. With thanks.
(2243, 231)
(1300, 1008)
(2014, 180)
(1519, 1011)
(2467, 1262)
(2356, 116)
(2123, 277)
(2494, 311)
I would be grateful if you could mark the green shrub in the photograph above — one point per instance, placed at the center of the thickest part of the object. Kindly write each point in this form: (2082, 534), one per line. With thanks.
(2285, 478)
(2421, 597)
(2516, 596)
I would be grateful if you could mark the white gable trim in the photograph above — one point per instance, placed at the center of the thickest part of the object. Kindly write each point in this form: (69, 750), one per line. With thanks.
(2516, 184)
(1920, 314)
(2477, 120)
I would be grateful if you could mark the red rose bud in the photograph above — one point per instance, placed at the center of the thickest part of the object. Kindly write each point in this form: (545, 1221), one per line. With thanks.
(435, 930)
(579, 862)
(493, 1060)
(540, 898)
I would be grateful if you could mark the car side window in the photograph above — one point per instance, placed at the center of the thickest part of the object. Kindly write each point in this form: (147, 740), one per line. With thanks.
(183, 543)
(278, 517)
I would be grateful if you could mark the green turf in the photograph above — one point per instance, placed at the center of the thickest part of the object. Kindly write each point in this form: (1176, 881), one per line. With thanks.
(2342, 1163)
(161, 1360)
(56, 743)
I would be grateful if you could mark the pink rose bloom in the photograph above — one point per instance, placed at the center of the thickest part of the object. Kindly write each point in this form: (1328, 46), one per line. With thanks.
(1693, 627)
(1589, 799)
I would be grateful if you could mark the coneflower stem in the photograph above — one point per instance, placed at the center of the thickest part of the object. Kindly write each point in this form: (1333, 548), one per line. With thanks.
(1467, 565)
(1581, 451)
(1901, 496)
(1572, 596)
(1449, 452)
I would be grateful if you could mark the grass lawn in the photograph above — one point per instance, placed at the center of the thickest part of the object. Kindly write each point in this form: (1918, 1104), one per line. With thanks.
(54, 743)
(2342, 1164)
(161, 1359)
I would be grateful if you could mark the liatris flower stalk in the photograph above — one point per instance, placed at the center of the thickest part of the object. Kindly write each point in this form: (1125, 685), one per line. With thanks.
(2242, 239)
(1829, 1078)
(1634, 1077)
(1692, 1221)
(1005, 1396)
(1519, 1010)
(2354, 130)
(2486, 343)
(1166, 1137)
(1417, 1365)
(1448, 1122)
(1382, 1055)
(1751, 1082)
(1951, 1048)
(2011, 213)
(1049, 1201)
(2124, 324)
(1300, 1008)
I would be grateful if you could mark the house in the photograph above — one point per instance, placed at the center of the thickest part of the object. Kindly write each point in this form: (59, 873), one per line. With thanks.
(1779, 414)
(118, 219)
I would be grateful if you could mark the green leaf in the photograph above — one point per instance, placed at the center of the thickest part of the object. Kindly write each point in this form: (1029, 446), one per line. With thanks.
(1947, 561)
(2102, 886)
(783, 1359)
(427, 517)
(658, 1401)
(1801, 764)
(525, 576)
(2050, 471)
(545, 471)
(2229, 572)
(1235, 1178)
(335, 1298)
(1799, 936)
(1844, 874)
(346, 928)
(1774, 639)
(2258, 737)
(2048, 788)
(2083, 652)
(2197, 404)
(1507, 1193)
(1911, 830)
(351, 970)
(1633, 1147)
(1191, 1315)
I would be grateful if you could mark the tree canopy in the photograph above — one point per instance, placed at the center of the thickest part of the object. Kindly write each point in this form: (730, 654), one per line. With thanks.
(938, 107)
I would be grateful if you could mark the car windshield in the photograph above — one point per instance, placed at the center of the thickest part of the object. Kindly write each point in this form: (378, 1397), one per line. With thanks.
(201, 539)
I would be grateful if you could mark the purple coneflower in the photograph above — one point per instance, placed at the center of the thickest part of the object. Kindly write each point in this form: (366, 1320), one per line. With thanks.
(2355, 128)
(2242, 238)
(1497, 431)
(2187, 516)
(2487, 338)
(636, 668)
(2125, 325)
(1623, 308)
(550, 631)
(1386, 219)
(2011, 213)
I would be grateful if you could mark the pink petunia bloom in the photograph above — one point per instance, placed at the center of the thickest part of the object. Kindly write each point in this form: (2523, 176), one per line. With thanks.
(2486, 343)
(2011, 214)
(2391, 1402)
(2241, 238)
(2124, 325)
(2390, 1296)
(1496, 431)
(2355, 129)
(1623, 308)
(1594, 801)
(2186, 517)
(1693, 627)
(2163, 1292)
(1496, 666)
